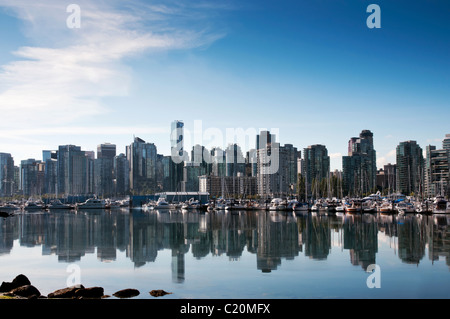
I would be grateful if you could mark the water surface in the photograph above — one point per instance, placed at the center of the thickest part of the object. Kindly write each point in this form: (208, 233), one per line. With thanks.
(219, 255)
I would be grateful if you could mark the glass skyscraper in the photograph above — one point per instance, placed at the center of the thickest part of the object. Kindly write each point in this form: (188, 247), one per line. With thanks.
(359, 167)
(410, 168)
(6, 174)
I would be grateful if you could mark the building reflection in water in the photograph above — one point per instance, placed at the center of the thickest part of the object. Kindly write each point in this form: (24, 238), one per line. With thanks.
(270, 236)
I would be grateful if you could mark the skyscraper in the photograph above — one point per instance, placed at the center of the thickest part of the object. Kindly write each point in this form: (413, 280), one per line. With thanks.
(104, 168)
(74, 173)
(235, 161)
(359, 167)
(6, 174)
(178, 155)
(142, 157)
(276, 166)
(446, 142)
(32, 177)
(121, 174)
(410, 168)
(316, 168)
(437, 172)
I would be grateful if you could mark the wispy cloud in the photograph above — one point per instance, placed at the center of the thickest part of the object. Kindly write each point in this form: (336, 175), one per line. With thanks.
(390, 157)
(62, 75)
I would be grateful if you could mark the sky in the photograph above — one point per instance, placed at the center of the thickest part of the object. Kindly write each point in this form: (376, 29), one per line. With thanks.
(312, 71)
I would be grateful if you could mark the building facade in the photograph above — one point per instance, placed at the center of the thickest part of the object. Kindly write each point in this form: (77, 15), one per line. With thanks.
(359, 166)
(142, 157)
(410, 168)
(7, 182)
(316, 167)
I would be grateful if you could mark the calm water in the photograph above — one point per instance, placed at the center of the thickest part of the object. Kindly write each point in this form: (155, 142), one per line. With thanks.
(230, 255)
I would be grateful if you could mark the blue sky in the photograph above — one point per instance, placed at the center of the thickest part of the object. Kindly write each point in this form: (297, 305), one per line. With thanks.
(310, 70)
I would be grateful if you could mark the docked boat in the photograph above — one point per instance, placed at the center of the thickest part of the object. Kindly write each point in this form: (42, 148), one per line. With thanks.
(191, 204)
(385, 208)
(7, 207)
(277, 204)
(355, 207)
(298, 206)
(93, 203)
(405, 207)
(161, 204)
(34, 206)
(57, 204)
(340, 208)
(441, 206)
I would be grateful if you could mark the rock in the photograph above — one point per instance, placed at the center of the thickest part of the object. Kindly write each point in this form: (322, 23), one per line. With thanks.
(159, 293)
(6, 286)
(20, 280)
(68, 292)
(28, 291)
(92, 292)
(126, 293)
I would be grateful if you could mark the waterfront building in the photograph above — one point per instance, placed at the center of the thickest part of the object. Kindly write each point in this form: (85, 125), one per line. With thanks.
(178, 155)
(276, 167)
(387, 179)
(104, 169)
(51, 175)
(75, 170)
(32, 177)
(359, 167)
(142, 157)
(410, 168)
(7, 182)
(235, 161)
(251, 163)
(121, 174)
(163, 172)
(228, 186)
(446, 142)
(437, 172)
(218, 159)
(316, 167)
(267, 152)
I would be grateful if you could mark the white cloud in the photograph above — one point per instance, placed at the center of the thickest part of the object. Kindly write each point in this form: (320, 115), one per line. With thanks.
(389, 157)
(62, 74)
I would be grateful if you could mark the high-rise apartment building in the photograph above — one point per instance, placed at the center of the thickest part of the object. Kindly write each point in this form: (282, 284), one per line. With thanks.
(410, 168)
(359, 167)
(178, 155)
(142, 157)
(7, 183)
(437, 172)
(316, 167)
(276, 166)
(104, 169)
(75, 171)
(121, 174)
(32, 177)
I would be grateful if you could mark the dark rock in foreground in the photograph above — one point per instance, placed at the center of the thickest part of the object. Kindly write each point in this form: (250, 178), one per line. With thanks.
(20, 280)
(126, 293)
(159, 293)
(93, 292)
(77, 291)
(68, 292)
(27, 291)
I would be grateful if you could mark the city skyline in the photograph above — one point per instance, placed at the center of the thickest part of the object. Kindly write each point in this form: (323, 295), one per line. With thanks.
(313, 70)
